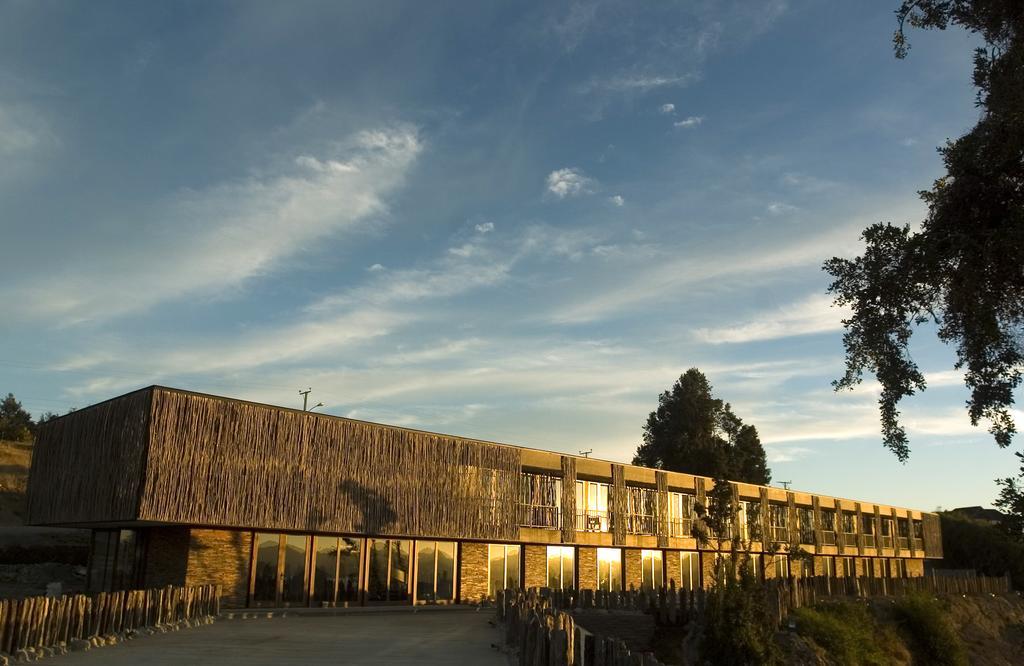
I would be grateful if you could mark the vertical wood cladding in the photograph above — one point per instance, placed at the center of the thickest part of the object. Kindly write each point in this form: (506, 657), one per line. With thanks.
(794, 532)
(473, 572)
(618, 491)
(87, 466)
(661, 480)
(221, 462)
(859, 517)
(569, 507)
(932, 530)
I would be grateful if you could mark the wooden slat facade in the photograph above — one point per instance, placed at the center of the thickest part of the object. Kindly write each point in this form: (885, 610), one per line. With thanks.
(166, 456)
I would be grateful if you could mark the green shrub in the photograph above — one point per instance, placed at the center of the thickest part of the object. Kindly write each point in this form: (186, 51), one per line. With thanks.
(930, 630)
(847, 631)
(738, 627)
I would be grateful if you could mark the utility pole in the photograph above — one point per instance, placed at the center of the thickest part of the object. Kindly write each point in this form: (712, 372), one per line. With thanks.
(785, 484)
(305, 401)
(586, 454)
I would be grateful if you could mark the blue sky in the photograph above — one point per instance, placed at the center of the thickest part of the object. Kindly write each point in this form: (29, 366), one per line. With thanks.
(518, 222)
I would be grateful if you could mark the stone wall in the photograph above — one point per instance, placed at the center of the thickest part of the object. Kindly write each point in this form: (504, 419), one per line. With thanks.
(221, 557)
(473, 573)
(536, 574)
(633, 577)
(586, 568)
(673, 573)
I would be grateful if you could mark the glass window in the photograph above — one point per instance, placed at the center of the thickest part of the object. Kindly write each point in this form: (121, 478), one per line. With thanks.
(435, 571)
(398, 588)
(781, 566)
(847, 567)
(867, 523)
(387, 576)
(348, 569)
(592, 506)
(828, 566)
(653, 568)
(503, 569)
(325, 570)
(680, 512)
(293, 575)
(101, 563)
(689, 569)
(128, 563)
(609, 569)
(561, 567)
(268, 547)
(778, 517)
(753, 565)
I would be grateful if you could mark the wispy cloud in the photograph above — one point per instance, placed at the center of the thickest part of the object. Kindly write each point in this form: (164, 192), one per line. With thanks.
(667, 108)
(617, 200)
(214, 239)
(569, 182)
(691, 121)
(780, 208)
(814, 314)
(484, 227)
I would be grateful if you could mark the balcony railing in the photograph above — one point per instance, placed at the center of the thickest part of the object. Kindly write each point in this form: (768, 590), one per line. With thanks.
(904, 543)
(780, 533)
(828, 538)
(593, 521)
(638, 523)
(886, 541)
(918, 543)
(807, 536)
(849, 538)
(869, 540)
(680, 528)
(533, 515)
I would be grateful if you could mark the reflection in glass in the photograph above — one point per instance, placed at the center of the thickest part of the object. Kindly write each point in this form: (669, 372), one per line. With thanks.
(653, 569)
(689, 567)
(325, 570)
(398, 588)
(293, 577)
(503, 568)
(435, 571)
(561, 567)
(426, 555)
(348, 569)
(377, 571)
(609, 569)
(265, 579)
(446, 571)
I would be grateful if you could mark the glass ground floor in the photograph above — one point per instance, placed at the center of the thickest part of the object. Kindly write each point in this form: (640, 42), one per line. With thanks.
(267, 569)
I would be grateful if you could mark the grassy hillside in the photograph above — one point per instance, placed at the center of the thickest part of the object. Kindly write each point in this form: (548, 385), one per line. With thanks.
(15, 460)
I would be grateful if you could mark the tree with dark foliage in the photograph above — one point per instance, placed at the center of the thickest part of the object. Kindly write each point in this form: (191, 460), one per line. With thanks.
(962, 271)
(15, 423)
(694, 432)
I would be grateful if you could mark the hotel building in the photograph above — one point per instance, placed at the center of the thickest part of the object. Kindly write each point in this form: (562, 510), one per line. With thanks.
(288, 508)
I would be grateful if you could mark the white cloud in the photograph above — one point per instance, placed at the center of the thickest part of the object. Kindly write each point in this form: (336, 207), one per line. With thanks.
(691, 121)
(484, 227)
(376, 267)
(908, 142)
(638, 82)
(780, 208)
(809, 316)
(618, 200)
(668, 108)
(211, 240)
(569, 182)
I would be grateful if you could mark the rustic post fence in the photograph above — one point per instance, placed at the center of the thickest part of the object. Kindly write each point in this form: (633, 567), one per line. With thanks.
(37, 624)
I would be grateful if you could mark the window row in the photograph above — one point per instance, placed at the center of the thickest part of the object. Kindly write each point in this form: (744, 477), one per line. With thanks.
(541, 506)
(298, 570)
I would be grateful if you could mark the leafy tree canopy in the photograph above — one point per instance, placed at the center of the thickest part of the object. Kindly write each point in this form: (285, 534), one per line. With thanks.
(963, 269)
(692, 431)
(15, 423)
